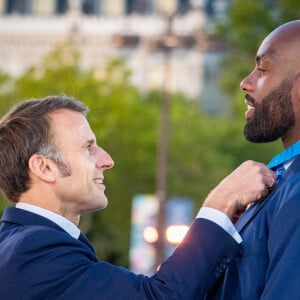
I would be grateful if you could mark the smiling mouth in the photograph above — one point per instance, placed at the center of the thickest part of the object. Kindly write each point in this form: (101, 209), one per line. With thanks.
(250, 109)
(98, 180)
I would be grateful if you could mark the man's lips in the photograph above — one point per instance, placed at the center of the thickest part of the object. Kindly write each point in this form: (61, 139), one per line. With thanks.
(99, 183)
(250, 109)
(99, 180)
(249, 99)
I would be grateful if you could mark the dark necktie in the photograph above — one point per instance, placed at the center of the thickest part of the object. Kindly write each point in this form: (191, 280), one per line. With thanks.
(279, 172)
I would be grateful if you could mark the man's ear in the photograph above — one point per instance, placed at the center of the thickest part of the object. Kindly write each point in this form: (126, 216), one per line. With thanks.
(42, 167)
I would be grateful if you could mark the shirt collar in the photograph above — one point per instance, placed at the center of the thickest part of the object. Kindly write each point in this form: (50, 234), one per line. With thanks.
(64, 223)
(285, 156)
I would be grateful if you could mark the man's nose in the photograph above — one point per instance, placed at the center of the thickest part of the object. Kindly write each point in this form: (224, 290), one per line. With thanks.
(246, 84)
(104, 160)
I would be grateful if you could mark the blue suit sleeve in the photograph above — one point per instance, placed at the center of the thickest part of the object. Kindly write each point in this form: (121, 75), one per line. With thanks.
(51, 266)
(187, 274)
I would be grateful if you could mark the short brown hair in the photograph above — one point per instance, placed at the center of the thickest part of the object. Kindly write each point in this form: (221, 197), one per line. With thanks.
(25, 130)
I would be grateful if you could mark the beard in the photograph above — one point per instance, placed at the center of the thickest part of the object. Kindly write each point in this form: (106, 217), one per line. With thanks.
(273, 117)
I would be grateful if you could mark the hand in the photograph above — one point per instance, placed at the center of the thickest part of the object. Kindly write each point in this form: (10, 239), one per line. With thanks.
(250, 182)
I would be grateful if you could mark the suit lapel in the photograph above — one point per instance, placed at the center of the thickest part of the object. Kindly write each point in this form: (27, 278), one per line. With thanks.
(250, 213)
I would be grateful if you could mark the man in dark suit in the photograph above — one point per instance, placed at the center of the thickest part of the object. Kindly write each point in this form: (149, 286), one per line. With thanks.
(52, 169)
(268, 266)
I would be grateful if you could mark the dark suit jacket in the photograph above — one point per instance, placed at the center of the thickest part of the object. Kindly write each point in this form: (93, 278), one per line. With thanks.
(268, 267)
(39, 260)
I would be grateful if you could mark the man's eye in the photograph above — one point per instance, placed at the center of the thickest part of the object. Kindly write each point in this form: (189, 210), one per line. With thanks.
(261, 72)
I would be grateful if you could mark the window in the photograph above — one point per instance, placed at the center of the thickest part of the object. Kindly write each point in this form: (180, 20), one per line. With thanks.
(88, 7)
(183, 6)
(17, 7)
(61, 6)
(139, 6)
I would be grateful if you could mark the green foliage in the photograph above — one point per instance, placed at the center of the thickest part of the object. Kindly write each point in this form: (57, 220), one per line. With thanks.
(286, 10)
(247, 24)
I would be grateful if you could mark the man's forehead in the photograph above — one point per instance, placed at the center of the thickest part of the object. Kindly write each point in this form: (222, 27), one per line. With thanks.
(74, 122)
(278, 46)
(67, 116)
(283, 39)
(266, 53)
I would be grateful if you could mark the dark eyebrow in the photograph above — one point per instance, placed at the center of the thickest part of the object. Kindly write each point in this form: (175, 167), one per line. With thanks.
(258, 59)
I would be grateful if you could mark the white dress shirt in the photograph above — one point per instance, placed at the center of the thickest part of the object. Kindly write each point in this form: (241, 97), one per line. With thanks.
(221, 219)
(64, 223)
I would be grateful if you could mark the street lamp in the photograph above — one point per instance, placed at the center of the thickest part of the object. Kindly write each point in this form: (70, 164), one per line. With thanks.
(166, 44)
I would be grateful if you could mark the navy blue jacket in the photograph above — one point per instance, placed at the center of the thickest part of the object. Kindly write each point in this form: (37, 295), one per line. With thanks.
(39, 260)
(268, 267)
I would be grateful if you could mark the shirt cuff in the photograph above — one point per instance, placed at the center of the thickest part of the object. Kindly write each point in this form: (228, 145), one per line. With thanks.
(220, 219)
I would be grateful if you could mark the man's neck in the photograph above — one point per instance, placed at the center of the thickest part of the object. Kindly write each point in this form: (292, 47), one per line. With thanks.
(58, 219)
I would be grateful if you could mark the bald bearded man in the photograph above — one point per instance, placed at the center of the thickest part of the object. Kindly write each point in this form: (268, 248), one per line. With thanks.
(268, 265)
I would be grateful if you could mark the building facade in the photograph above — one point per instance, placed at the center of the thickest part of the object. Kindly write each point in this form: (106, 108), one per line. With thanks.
(109, 7)
(147, 34)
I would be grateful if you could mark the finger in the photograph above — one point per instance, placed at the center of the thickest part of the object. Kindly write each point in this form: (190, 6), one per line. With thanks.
(269, 181)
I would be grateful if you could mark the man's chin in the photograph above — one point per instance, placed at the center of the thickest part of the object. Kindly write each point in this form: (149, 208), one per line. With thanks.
(96, 207)
(102, 205)
(258, 138)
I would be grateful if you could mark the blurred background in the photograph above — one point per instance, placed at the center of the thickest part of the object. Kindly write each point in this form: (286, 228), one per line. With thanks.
(161, 78)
